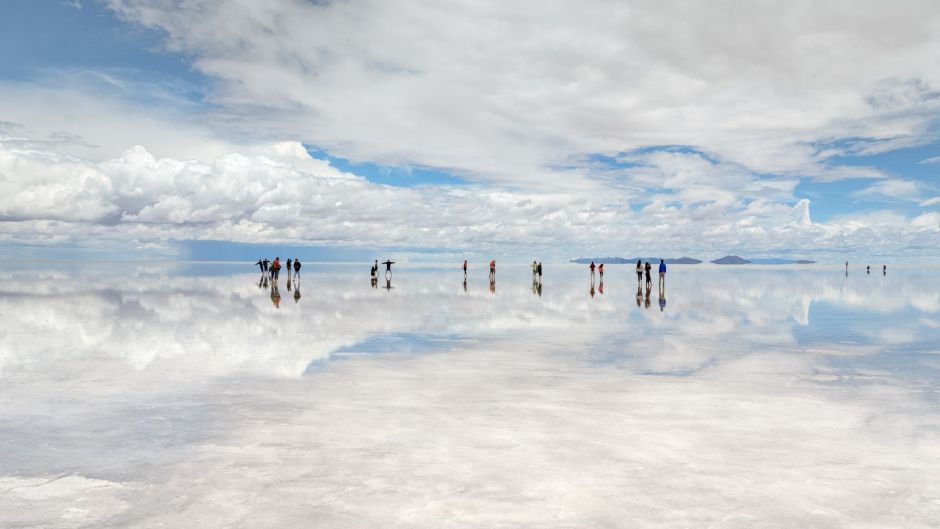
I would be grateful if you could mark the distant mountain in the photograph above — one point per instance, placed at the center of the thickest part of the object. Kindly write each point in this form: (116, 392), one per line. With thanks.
(804, 261)
(731, 259)
(621, 260)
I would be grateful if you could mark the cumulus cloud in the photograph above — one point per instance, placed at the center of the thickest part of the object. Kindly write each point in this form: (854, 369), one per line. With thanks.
(673, 201)
(507, 92)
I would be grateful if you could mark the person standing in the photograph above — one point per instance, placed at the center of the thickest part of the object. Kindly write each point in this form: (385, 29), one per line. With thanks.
(290, 265)
(260, 264)
(296, 266)
(539, 270)
(600, 270)
(592, 267)
(267, 265)
(535, 267)
(639, 273)
(649, 279)
(465, 267)
(662, 275)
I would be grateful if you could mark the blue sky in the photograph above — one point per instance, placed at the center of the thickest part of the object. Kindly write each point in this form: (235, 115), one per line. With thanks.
(129, 120)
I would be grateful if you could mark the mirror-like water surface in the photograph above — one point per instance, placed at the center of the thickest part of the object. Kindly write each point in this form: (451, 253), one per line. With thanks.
(197, 395)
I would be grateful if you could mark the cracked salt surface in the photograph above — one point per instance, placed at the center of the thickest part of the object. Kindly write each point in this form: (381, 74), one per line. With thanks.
(755, 398)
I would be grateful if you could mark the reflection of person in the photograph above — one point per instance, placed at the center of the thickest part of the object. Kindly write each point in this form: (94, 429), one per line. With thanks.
(646, 299)
(649, 278)
(465, 282)
(662, 274)
(275, 296)
(297, 292)
(662, 303)
(592, 288)
(639, 294)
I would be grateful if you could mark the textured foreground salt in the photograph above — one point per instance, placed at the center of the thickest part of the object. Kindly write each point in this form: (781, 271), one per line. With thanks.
(753, 399)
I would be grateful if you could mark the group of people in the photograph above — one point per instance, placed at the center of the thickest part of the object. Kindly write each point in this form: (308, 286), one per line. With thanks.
(641, 270)
(884, 269)
(273, 268)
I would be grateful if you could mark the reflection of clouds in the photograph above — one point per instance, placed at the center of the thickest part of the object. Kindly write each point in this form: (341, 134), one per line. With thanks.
(543, 413)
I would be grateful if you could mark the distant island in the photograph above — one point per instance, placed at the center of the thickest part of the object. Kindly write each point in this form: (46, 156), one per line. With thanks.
(622, 260)
(728, 259)
(731, 259)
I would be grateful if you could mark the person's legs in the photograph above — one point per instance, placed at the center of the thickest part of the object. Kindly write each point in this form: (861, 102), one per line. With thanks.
(662, 280)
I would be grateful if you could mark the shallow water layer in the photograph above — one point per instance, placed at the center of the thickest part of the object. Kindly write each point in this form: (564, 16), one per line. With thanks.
(196, 395)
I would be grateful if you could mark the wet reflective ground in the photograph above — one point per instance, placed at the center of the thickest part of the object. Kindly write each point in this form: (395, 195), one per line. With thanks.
(195, 395)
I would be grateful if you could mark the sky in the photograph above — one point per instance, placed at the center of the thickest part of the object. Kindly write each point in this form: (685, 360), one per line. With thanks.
(532, 128)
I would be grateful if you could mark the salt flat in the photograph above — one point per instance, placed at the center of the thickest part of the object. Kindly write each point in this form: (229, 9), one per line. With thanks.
(186, 395)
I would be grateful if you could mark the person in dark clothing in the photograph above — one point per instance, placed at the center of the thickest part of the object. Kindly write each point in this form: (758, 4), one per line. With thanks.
(296, 267)
(260, 264)
(649, 278)
(267, 264)
(639, 272)
(539, 269)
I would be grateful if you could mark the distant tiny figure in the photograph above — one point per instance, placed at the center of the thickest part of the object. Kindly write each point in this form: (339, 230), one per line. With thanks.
(297, 292)
(539, 270)
(290, 266)
(662, 274)
(867, 269)
(592, 267)
(600, 287)
(600, 270)
(639, 294)
(465, 267)
(296, 266)
(884, 270)
(649, 279)
(492, 271)
(535, 267)
(465, 282)
(276, 267)
(592, 289)
(639, 274)
(388, 267)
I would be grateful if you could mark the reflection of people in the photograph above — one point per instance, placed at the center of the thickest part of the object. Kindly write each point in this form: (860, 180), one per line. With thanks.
(540, 277)
(600, 287)
(646, 299)
(639, 294)
(465, 282)
(662, 274)
(290, 266)
(276, 267)
(867, 269)
(662, 303)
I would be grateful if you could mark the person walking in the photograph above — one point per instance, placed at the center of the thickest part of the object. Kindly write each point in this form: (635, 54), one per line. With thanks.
(662, 275)
(639, 272)
(592, 267)
(649, 279)
(296, 267)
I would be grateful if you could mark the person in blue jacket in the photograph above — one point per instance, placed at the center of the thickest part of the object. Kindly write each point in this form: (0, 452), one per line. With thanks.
(662, 274)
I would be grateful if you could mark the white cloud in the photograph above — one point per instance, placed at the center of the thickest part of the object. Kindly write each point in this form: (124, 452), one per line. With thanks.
(507, 92)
